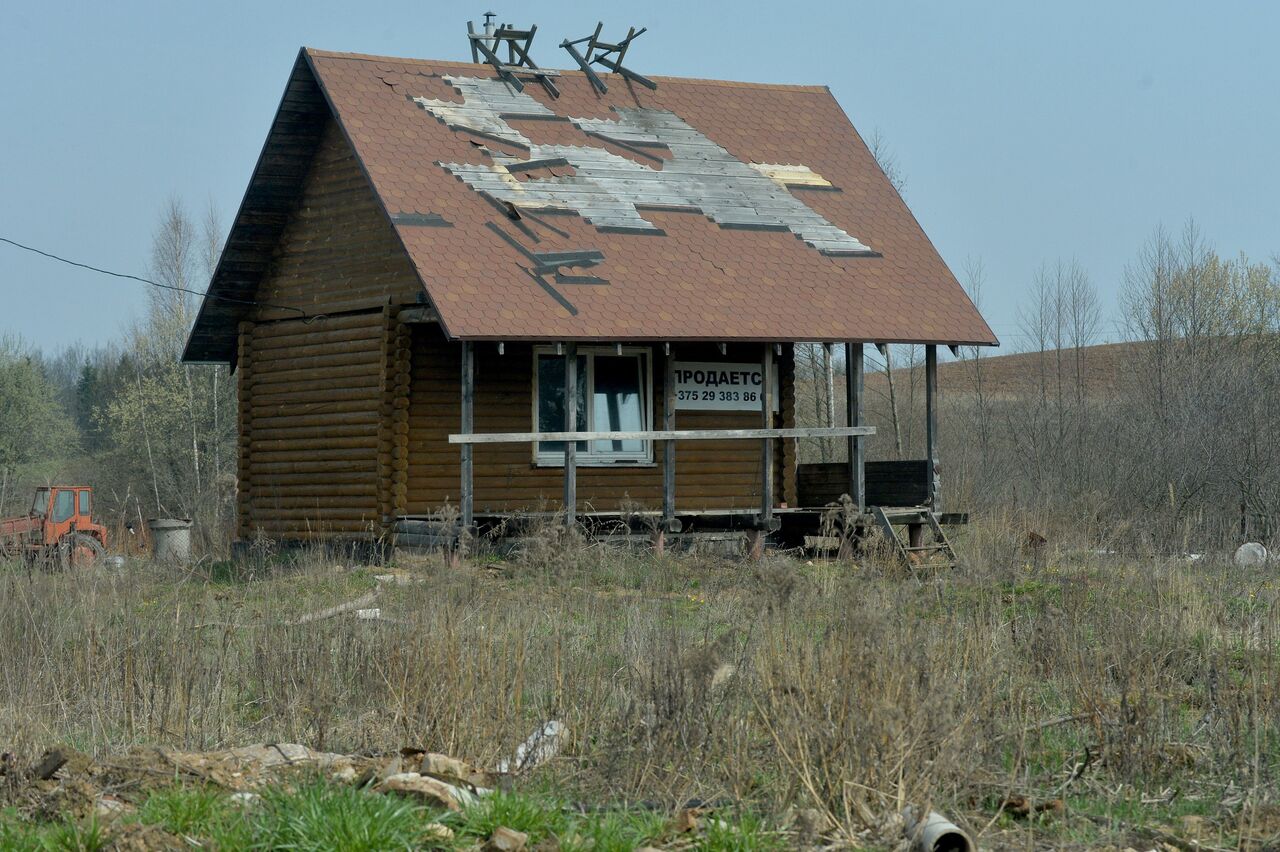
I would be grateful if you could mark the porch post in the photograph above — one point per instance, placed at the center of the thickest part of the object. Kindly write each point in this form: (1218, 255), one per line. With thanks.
(853, 404)
(669, 447)
(766, 446)
(468, 424)
(570, 425)
(931, 423)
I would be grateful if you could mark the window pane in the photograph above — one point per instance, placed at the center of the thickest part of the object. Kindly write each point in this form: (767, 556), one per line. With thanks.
(551, 400)
(41, 505)
(618, 401)
(85, 507)
(64, 506)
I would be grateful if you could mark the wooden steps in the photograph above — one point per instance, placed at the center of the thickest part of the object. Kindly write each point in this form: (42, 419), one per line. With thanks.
(935, 553)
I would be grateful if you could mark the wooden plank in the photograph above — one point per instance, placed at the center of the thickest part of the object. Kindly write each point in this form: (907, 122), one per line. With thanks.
(468, 418)
(931, 423)
(669, 447)
(854, 412)
(665, 435)
(418, 314)
(766, 443)
(571, 425)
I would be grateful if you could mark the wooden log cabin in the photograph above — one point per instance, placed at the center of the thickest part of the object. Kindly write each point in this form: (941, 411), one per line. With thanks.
(516, 292)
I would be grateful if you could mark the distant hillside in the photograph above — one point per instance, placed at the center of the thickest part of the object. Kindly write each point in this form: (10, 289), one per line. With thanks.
(1020, 373)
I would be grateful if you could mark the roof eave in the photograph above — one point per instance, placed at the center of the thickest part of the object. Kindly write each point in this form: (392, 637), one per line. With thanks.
(270, 194)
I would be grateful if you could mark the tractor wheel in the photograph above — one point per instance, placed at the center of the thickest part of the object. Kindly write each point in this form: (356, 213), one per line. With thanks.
(79, 551)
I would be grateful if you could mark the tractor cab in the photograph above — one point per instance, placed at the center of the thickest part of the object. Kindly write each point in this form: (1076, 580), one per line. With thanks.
(60, 525)
(63, 509)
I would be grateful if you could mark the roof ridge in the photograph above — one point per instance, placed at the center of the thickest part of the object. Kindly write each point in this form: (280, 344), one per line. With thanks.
(571, 72)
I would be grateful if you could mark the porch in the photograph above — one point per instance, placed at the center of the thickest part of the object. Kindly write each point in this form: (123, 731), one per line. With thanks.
(900, 494)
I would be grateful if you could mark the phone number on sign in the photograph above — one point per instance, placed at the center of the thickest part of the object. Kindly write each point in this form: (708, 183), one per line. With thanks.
(717, 396)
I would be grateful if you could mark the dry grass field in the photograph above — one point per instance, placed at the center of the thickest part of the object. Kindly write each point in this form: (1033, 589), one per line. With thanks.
(1063, 698)
(1019, 374)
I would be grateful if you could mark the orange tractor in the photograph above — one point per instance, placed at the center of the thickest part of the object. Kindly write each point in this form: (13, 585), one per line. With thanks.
(58, 529)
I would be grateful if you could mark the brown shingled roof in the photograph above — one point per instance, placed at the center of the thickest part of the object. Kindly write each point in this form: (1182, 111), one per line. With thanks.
(690, 279)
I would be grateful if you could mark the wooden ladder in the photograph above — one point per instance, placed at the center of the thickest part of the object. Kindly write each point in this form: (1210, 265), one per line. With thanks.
(927, 553)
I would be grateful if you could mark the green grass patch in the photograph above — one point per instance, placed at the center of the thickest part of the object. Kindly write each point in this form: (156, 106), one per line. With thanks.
(64, 836)
(189, 810)
(320, 816)
(538, 818)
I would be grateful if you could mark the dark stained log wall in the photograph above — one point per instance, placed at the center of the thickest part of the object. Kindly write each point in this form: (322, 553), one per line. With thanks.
(338, 251)
(324, 401)
(315, 413)
(888, 483)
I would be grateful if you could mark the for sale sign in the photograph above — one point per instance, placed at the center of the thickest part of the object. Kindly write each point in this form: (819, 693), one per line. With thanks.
(717, 386)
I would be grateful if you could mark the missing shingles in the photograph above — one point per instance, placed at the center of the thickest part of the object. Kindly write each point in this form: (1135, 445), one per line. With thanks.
(421, 220)
(633, 148)
(610, 190)
(839, 253)
(539, 220)
(647, 232)
(551, 291)
(506, 208)
(550, 264)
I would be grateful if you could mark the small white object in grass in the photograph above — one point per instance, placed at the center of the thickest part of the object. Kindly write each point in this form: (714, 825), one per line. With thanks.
(437, 831)
(108, 807)
(244, 799)
(369, 614)
(542, 745)
(1250, 555)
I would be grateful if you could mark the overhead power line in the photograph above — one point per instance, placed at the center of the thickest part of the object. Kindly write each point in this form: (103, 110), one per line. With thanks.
(216, 297)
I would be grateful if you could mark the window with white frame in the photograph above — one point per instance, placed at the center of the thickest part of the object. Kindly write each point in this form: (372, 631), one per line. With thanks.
(615, 394)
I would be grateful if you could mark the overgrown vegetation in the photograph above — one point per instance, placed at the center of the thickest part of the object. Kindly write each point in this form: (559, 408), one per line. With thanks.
(154, 436)
(1106, 698)
(1180, 444)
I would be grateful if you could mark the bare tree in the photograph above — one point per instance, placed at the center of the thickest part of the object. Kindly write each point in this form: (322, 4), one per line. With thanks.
(888, 161)
(975, 278)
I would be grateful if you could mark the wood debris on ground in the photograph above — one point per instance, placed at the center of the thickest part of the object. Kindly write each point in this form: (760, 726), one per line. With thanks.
(67, 782)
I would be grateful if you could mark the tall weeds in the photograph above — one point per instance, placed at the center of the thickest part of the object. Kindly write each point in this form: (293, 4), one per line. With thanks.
(849, 689)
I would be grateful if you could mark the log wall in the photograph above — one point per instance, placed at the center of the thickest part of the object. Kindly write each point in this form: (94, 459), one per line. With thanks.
(324, 401)
(312, 421)
(709, 474)
(338, 252)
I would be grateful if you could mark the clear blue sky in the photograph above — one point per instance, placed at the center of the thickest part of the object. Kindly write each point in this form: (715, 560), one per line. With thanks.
(1027, 131)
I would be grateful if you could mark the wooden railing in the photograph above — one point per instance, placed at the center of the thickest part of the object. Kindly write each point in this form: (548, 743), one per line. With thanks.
(663, 435)
(668, 480)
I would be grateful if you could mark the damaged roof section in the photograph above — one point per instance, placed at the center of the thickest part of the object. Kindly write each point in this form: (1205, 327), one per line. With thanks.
(713, 210)
(609, 190)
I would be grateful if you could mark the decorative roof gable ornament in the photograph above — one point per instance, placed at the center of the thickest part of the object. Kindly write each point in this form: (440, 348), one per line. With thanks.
(609, 190)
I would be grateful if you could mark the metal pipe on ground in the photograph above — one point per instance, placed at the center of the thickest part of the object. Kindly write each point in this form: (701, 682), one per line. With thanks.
(932, 832)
